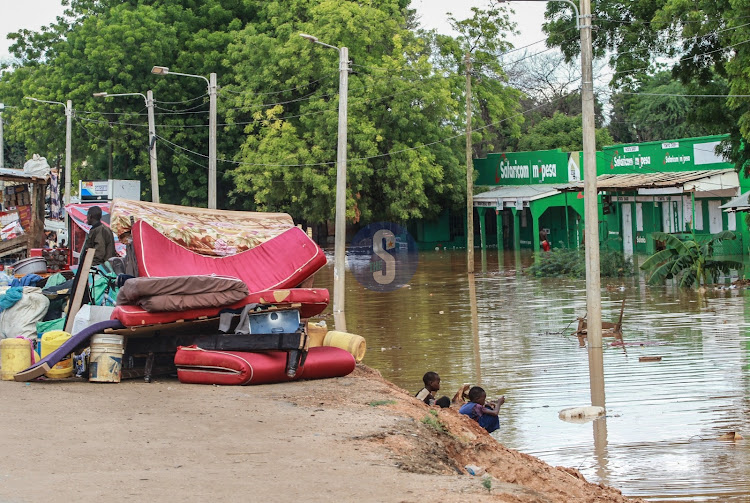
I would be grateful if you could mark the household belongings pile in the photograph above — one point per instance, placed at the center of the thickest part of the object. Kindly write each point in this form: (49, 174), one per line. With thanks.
(232, 319)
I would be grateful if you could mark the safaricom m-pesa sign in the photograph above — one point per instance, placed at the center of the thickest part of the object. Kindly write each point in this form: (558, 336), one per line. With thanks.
(528, 168)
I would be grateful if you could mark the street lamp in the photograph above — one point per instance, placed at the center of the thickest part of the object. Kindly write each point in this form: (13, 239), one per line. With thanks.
(163, 70)
(149, 98)
(339, 264)
(68, 137)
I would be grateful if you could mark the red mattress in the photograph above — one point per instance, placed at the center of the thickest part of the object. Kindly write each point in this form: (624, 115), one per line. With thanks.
(199, 366)
(312, 300)
(281, 262)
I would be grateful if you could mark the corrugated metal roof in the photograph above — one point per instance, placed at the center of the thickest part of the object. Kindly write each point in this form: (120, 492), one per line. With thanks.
(632, 181)
(739, 203)
(514, 192)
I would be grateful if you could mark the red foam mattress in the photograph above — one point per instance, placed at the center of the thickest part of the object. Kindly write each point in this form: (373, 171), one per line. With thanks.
(312, 300)
(199, 366)
(281, 262)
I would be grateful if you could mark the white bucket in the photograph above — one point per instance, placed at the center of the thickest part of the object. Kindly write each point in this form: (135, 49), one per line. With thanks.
(105, 361)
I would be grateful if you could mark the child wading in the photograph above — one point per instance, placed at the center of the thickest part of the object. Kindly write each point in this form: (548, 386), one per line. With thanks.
(431, 385)
(484, 413)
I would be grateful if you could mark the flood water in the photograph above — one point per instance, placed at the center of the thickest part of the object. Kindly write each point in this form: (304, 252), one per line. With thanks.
(513, 335)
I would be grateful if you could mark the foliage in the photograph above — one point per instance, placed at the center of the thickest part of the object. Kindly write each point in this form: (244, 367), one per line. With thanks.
(378, 403)
(661, 113)
(433, 421)
(487, 483)
(571, 263)
(703, 41)
(690, 262)
(277, 101)
(560, 131)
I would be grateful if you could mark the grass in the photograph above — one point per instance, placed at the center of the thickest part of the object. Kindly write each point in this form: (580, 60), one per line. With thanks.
(434, 422)
(378, 403)
(487, 483)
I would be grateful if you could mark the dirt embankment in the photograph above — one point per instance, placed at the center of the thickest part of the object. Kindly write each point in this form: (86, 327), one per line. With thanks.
(358, 438)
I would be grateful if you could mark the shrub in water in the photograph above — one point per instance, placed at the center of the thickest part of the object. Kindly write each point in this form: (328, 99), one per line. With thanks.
(570, 263)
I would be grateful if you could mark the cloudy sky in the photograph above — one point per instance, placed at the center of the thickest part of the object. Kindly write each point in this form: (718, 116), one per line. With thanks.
(32, 14)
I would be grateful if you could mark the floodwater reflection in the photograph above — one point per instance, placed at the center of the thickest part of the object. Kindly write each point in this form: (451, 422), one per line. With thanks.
(512, 334)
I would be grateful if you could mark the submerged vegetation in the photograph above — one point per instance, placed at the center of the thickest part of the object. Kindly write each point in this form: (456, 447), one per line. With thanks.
(690, 262)
(571, 263)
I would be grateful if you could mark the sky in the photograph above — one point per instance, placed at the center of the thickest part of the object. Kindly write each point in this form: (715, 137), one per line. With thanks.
(32, 14)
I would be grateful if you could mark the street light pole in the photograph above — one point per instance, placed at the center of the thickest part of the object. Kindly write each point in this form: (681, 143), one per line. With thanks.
(68, 141)
(68, 150)
(212, 87)
(339, 265)
(212, 142)
(149, 98)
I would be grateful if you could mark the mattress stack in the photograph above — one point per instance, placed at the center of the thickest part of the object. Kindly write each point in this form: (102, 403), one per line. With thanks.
(261, 335)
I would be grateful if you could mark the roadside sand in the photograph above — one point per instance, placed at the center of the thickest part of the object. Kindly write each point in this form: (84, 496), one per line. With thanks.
(324, 440)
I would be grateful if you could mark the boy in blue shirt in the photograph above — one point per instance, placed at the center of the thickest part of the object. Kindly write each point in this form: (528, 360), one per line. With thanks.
(480, 411)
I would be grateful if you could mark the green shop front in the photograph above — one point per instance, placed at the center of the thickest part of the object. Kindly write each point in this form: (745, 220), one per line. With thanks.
(524, 196)
(674, 186)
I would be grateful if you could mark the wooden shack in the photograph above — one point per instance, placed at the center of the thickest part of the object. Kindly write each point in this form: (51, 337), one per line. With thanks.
(30, 210)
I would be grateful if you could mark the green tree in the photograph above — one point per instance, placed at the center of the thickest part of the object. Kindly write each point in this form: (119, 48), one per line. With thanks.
(690, 262)
(704, 42)
(659, 112)
(560, 131)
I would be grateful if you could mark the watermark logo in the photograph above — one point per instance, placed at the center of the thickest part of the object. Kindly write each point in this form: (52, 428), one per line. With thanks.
(383, 257)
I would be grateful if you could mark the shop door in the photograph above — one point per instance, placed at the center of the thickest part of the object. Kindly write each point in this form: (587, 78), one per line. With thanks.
(627, 229)
(714, 217)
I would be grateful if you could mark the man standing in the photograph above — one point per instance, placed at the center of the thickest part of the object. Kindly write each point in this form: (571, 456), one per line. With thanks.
(100, 238)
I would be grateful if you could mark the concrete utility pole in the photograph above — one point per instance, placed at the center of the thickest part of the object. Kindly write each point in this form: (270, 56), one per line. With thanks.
(152, 147)
(590, 203)
(212, 142)
(212, 87)
(339, 251)
(469, 174)
(149, 99)
(591, 213)
(68, 141)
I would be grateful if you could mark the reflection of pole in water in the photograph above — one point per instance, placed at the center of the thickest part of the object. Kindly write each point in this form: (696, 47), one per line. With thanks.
(600, 449)
(339, 320)
(484, 260)
(596, 368)
(475, 327)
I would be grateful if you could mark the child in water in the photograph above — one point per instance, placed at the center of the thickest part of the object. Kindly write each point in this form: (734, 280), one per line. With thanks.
(479, 410)
(431, 385)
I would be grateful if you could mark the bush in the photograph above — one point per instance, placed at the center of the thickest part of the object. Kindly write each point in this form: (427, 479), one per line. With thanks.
(570, 263)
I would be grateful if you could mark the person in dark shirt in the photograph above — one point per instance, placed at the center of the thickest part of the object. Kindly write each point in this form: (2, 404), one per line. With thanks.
(431, 385)
(100, 238)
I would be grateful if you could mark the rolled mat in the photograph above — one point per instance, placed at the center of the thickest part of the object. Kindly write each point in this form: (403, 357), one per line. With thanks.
(76, 342)
(199, 366)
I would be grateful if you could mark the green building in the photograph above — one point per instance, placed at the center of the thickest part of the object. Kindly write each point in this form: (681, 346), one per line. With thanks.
(672, 186)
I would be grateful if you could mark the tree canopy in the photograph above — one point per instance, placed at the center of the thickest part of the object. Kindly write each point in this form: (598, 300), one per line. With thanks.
(277, 102)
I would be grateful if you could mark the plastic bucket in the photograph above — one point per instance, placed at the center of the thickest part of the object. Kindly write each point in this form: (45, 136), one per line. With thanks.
(353, 343)
(50, 342)
(105, 360)
(15, 356)
(316, 334)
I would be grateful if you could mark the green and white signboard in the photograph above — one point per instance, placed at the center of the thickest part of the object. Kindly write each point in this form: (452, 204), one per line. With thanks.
(529, 168)
(688, 154)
